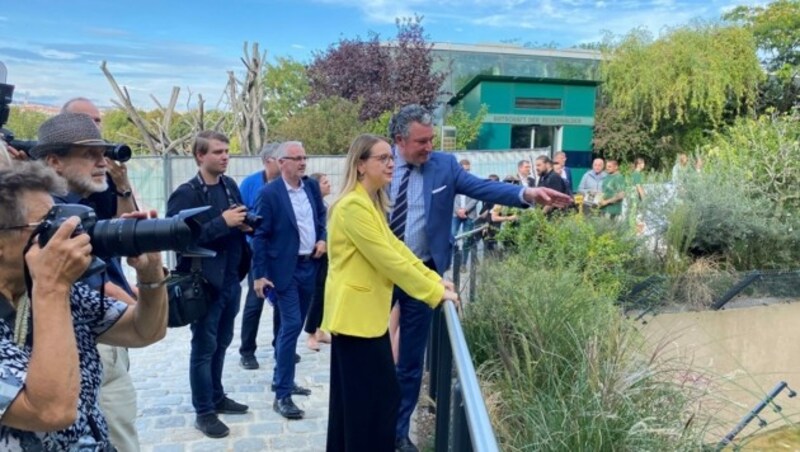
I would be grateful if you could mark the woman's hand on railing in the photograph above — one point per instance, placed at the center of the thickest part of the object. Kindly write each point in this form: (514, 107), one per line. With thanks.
(448, 284)
(451, 295)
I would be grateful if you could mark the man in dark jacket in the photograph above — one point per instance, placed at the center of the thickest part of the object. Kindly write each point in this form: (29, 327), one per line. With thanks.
(223, 231)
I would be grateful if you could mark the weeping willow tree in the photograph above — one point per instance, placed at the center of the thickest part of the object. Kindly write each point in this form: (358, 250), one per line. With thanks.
(688, 81)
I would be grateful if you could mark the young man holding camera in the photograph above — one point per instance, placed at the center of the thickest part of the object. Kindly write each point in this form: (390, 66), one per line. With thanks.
(223, 231)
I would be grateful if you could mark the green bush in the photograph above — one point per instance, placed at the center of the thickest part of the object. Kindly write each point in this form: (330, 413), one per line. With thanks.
(766, 153)
(600, 251)
(718, 214)
(565, 370)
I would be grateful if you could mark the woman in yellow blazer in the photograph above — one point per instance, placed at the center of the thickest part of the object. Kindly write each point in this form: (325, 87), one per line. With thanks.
(365, 262)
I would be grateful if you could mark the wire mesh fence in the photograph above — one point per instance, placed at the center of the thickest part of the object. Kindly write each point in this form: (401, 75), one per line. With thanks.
(154, 178)
(712, 290)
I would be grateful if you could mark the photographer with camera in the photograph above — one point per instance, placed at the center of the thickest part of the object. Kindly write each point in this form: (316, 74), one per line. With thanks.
(117, 394)
(224, 232)
(118, 198)
(50, 365)
(71, 144)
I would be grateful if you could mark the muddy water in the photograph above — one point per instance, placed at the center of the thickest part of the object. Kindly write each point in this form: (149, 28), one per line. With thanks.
(738, 355)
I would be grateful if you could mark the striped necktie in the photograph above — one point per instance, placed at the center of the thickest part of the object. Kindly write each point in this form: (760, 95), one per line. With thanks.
(400, 210)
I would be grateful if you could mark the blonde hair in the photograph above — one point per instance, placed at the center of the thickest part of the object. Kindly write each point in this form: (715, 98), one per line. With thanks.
(360, 150)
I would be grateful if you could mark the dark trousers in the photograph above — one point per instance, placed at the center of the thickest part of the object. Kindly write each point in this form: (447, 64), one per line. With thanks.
(251, 316)
(314, 318)
(364, 395)
(415, 324)
(292, 303)
(211, 337)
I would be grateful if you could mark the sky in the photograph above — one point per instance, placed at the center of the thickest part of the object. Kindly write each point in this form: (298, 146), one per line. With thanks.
(53, 49)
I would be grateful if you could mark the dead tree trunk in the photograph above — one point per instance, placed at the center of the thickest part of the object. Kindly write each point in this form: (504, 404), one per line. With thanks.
(247, 102)
(155, 134)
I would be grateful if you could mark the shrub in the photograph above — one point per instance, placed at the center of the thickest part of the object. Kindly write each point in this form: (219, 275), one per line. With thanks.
(568, 372)
(719, 214)
(765, 152)
(599, 251)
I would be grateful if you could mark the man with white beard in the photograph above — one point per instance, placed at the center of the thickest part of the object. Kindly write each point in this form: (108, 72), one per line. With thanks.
(71, 144)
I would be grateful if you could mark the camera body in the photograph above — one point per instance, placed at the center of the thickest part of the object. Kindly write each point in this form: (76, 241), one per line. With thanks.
(127, 236)
(250, 219)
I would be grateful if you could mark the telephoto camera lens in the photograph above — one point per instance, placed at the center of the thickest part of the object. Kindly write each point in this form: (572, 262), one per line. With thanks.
(120, 153)
(132, 237)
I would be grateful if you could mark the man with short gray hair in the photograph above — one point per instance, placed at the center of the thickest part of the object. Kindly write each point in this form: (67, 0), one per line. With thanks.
(250, 187)
(287, 248)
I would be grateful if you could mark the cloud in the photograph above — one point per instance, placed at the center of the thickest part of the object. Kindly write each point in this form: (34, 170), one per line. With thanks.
(52, 54)
(52, 72)
(386, 11)
(573, 20)
(298, 46)
(20, 54)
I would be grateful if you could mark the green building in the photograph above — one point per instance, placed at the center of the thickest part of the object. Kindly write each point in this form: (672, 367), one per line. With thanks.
(543, 114)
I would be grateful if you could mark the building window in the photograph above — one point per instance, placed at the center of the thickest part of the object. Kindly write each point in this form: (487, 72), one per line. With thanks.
(536, 137)
(537, 103)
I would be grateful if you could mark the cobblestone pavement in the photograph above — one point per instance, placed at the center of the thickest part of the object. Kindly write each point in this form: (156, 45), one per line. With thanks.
(166, 418)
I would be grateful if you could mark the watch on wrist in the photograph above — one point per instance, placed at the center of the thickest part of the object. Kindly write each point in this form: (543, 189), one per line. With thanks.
(124, 193)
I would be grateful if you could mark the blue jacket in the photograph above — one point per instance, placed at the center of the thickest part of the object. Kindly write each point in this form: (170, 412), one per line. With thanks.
(213, 229)
(276, 242)
(250, 187)
(442, 179)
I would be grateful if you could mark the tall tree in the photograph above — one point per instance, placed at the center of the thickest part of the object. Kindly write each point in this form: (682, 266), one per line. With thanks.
(776, 28)
(381, 77)
(246, 99)
(325, 128)
(677, 88)
(285, 89)
(690, 73)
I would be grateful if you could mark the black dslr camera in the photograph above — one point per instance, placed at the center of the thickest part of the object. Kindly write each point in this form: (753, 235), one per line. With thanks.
(127, 236)
(250, 219)
(119, 152)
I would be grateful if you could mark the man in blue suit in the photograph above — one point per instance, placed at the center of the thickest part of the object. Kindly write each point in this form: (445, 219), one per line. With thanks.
(423, 190)
(286, 248)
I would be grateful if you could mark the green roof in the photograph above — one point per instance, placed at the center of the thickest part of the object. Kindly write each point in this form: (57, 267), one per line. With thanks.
(478, 79)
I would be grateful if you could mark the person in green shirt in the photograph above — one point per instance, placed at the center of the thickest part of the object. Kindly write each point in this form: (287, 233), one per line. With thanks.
(613, 190)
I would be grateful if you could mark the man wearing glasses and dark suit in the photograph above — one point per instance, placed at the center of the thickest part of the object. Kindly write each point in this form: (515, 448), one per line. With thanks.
(287, 247)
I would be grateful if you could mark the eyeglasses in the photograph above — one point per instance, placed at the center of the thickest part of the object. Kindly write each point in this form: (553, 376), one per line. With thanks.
(22, 226)
(301, 158)
(383, 158)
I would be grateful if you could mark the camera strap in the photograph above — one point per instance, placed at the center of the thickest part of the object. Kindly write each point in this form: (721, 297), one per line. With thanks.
(204, 188)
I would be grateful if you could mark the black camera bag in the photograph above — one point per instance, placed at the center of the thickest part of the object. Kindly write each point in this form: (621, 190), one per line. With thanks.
(189, 295)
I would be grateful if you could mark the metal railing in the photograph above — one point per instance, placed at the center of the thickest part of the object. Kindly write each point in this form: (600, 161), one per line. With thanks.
(462, 421)
(458, 250)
